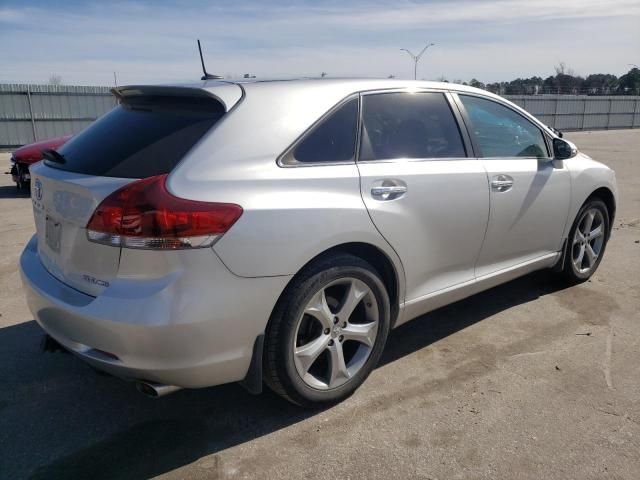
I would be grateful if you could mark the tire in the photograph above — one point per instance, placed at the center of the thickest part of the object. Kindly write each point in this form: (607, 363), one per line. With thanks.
(21, 184)
(317, 352)
(584, 252)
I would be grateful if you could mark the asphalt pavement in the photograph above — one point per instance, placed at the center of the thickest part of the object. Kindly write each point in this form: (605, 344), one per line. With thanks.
(528, 380)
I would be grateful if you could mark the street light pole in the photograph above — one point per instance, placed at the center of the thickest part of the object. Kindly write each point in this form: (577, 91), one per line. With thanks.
(416, 58)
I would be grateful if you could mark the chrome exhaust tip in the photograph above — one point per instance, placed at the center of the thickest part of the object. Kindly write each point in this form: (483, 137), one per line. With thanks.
(155, 390)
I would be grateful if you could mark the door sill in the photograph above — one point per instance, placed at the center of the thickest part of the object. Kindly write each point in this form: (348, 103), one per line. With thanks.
(426, 303)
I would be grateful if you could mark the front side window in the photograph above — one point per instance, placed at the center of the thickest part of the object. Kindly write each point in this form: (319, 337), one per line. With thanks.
(501, 132)
(334, 139)
(409, 125)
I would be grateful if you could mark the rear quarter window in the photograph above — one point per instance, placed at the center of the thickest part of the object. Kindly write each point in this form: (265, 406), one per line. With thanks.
(333, 139)
(143, 137)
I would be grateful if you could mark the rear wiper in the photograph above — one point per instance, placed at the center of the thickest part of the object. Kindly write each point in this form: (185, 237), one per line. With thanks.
(53, 156)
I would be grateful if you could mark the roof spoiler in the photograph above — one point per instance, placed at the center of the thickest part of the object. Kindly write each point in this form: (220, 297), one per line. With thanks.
(131, 91)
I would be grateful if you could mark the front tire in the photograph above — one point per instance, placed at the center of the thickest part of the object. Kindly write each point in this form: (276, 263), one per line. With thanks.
(327, 332)
(587, 241)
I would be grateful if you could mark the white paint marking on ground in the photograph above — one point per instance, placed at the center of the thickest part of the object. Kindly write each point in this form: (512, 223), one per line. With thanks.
(606, 368)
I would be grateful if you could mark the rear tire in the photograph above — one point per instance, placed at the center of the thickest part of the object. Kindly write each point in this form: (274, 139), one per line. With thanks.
(587, 241)
(327, 331)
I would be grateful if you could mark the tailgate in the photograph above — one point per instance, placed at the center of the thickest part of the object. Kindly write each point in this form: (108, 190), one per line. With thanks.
(63, 203)
(147, 134)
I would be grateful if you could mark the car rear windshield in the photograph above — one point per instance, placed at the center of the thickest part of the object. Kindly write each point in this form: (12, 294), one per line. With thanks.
(142, 137)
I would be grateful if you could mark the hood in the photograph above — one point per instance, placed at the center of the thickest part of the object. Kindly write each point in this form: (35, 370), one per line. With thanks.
(32, 153)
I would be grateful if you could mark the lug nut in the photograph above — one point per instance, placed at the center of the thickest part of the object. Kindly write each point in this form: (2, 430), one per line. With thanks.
(344, 325)
(341, 338)
(330, 342)
(335, 320)
(326, 331)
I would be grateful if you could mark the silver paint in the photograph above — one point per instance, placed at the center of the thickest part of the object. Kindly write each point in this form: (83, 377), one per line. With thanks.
(190, 318)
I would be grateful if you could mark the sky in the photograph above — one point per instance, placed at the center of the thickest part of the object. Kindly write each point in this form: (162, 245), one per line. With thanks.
(146, 41)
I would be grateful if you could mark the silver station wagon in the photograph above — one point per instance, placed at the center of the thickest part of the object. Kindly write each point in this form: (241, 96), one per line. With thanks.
(275, 231)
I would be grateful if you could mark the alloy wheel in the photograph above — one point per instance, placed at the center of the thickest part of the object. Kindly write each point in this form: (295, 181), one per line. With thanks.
(588, 240)
(336, 333)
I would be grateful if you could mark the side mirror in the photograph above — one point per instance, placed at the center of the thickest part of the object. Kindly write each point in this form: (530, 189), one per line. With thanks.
(563, 149)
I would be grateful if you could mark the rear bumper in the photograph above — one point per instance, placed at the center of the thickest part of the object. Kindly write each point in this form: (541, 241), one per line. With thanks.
(195, 327)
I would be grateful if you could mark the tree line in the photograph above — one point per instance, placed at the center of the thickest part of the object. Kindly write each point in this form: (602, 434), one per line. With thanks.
(566, 82)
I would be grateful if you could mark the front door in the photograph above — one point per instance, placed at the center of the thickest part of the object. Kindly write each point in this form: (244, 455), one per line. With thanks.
(530, 192)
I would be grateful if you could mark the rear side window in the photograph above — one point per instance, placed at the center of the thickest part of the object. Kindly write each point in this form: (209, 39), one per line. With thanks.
(143, 137)
(409, 125)
(334, 139)
(502, 132)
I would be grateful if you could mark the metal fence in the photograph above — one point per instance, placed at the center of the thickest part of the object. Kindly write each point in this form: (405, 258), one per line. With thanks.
(29, 113)
(579, 112)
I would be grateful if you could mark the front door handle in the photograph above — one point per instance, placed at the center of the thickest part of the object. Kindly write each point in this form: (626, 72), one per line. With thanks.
(388, 192)
(501, 183)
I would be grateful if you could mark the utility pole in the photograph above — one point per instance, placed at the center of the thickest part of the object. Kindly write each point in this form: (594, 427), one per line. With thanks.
(416, 58)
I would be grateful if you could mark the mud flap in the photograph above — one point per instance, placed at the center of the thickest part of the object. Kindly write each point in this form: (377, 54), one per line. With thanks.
(253, 380)
(559, 265)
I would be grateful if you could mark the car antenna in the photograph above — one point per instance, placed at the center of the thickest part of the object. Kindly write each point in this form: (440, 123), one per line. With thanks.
(206, 76)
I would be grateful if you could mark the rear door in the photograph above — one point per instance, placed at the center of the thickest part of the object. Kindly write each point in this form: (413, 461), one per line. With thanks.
(530, 192)
(424, 193)
(145, 135)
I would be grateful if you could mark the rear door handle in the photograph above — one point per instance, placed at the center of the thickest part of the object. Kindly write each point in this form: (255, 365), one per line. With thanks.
(388, 192)
(501, 183)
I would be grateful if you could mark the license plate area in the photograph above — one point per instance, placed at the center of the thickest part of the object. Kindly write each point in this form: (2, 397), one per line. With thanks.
(53, 233)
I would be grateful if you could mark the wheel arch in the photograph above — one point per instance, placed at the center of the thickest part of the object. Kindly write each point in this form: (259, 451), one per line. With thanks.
(383, 265)
(370, 253)
(606, 195)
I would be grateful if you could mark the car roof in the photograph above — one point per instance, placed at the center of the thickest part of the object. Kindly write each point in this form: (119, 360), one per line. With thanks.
(353, 84)
(357, 84)
(230, 92)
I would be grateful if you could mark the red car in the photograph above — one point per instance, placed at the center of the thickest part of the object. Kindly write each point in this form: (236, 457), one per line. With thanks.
(27, 155)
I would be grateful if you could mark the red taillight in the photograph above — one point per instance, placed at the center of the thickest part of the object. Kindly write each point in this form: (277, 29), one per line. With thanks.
(143, 214)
